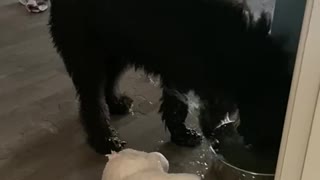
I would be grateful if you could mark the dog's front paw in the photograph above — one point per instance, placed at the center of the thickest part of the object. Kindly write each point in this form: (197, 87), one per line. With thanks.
(187, 137)
(115, 143)
(121, 105)
(106, 144)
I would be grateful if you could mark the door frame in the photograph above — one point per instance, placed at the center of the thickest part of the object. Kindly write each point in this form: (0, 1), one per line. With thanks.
(295, 156)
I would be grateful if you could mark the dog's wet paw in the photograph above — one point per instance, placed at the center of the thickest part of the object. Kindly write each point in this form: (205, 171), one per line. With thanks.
(120, 106)
(188, 138)
(105, 145)
(115, 143)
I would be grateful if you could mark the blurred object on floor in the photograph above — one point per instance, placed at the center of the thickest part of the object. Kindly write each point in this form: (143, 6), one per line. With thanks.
(35, 6)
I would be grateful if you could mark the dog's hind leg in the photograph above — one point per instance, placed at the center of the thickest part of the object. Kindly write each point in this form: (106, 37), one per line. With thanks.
(118, 103)
(174, 112)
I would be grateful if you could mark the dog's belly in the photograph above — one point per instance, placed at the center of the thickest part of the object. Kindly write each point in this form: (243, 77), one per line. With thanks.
(160, 28)
(160, 35)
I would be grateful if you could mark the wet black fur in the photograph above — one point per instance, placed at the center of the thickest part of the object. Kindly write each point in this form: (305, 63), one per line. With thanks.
(212, 47)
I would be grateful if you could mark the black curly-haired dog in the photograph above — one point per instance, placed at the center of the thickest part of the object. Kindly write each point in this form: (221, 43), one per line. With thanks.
(212, 47)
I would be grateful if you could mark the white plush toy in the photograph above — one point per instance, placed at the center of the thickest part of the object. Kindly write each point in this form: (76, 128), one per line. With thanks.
(130, 164)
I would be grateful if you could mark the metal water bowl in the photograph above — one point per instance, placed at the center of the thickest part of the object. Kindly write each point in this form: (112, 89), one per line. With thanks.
(234, 161)
(226, 171)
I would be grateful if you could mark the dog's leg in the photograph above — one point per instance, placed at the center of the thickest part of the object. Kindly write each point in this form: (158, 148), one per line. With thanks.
(174, 113)
(89, 81)
(118, 103)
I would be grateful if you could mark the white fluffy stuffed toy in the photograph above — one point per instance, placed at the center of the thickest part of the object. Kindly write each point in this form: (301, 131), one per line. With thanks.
(130, 164)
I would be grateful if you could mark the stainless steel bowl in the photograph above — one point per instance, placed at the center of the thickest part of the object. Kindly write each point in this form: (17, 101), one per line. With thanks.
(232, 160)
(223, 170)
